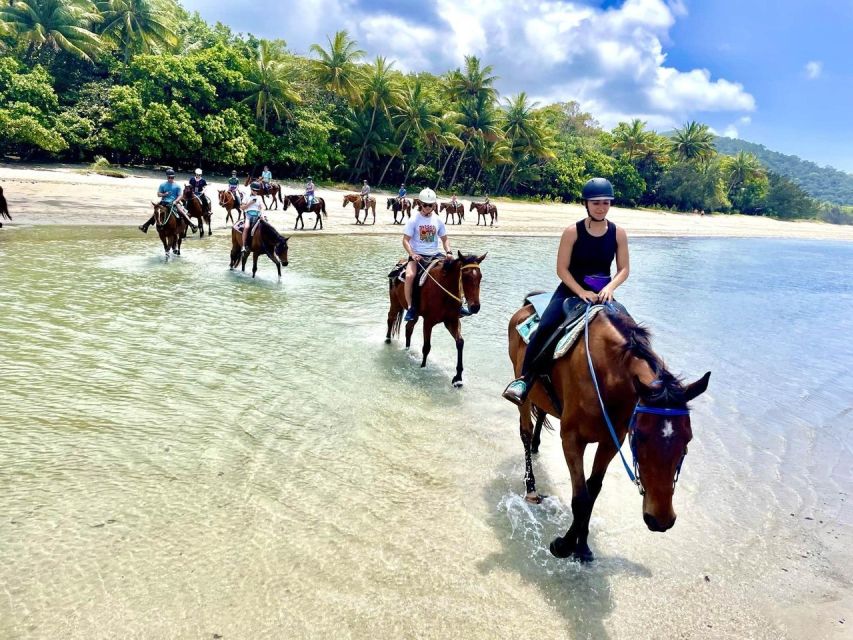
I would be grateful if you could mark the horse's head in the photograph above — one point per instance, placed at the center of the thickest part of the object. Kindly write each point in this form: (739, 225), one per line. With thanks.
(346, 200)
(389, 203)
(188, 192)
(472, 206)
(286, 201)
(659, 432)
(222, 199)
(470, 276)
(281, 250)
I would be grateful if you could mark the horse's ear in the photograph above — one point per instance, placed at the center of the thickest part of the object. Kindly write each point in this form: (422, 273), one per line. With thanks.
(697, 388)
(642, 390)
(482, 257)
(459, 253)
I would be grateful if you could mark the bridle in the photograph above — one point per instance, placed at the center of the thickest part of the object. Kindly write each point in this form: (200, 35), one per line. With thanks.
(632, 424)
(461, 295)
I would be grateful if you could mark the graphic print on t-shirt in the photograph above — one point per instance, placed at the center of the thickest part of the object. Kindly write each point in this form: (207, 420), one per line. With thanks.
(426, 233)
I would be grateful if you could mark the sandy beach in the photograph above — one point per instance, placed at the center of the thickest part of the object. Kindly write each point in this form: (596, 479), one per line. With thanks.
(69, 195)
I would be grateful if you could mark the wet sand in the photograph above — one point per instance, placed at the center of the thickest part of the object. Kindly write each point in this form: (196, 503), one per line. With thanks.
(68, 195)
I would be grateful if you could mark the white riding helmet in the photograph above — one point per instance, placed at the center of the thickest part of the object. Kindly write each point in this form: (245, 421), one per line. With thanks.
(427, 196)
(198, 172)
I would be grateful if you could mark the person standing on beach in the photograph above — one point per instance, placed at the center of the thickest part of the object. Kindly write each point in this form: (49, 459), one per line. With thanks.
(420, 240)
(169, 194)
(586, 252)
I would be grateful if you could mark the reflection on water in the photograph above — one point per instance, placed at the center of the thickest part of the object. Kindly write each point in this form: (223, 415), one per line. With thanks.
(188, 452)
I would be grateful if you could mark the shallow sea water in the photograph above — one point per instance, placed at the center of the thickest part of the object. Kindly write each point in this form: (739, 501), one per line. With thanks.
(187, 452)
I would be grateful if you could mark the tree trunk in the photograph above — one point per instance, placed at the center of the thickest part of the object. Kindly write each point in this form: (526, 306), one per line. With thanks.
(458, 164)
(508, 178)
(391, 159)
(363, 146)
(443, 167)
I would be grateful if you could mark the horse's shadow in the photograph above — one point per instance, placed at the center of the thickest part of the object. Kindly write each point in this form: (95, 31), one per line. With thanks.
(581, 593)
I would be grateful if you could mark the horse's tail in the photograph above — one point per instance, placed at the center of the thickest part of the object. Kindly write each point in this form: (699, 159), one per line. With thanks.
(538, 414)
(280, 197)
(323, 208)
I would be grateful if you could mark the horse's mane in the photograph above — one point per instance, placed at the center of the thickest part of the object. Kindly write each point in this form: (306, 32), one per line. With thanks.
(669, 390)
(266, 226)
(465, 259)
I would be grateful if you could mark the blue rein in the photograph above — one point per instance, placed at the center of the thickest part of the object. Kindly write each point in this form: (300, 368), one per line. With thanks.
(638, 408)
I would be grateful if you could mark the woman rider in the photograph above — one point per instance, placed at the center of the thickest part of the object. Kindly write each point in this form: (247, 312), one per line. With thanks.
(587, 249)
(252, 207)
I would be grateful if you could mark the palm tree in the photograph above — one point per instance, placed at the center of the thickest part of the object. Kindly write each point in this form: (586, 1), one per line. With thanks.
(693, 141)
(56, 24)
(491, 154)
(445, 136)
(472, 84)
(336, 69)
(742, 168)
(519, 122)
(380, 94)
(137, 25)
(270, 79)
(538, 146)
(631, 139)
(479, 120)
(413, 115)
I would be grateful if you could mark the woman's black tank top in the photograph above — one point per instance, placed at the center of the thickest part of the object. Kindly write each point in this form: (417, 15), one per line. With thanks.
(592, 255)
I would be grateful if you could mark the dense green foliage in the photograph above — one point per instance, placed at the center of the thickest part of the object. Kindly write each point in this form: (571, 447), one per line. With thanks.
(142, 81)
(823, 183)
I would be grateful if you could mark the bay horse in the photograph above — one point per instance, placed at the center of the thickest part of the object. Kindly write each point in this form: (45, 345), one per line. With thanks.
(170, 227)
(228, 201)
(404, 207)
(195, 209)
(440, 302)
(300, 203)
(265, 240)
(355, 199)
(484, 209)
(4, 208)
(450, 209)
(641, 398)
(273, 189)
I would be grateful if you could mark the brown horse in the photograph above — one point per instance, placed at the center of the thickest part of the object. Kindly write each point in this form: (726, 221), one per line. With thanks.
(440, 302)
(4, 208)
(264, 240)
(170, 227)
(195, 209)
(640, 396)
(228, 201)
(404, 207)
(484, 209)
(273, 189)
(300, 203)
(356, 200)
(450, 209)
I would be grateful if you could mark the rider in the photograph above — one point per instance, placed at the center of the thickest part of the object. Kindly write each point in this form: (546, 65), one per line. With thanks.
(252, 207)
(365, 194)
(198, 184)
(587, 248)
(453, 200)
(266, 179)
(420, 240)
(169, 194)
(401, 194)
(233, 184)
(309, 192)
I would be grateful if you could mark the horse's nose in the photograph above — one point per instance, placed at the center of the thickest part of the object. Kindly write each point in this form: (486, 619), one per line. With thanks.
(474, 308)
(656, 525)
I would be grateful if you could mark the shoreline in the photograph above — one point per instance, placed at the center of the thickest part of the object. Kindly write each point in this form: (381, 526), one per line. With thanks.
(64, 194)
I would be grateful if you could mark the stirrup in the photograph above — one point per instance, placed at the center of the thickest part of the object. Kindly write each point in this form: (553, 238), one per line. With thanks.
(516, 391)
(411, 314)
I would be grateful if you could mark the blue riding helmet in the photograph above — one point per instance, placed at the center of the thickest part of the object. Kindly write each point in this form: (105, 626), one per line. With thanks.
(597, 188)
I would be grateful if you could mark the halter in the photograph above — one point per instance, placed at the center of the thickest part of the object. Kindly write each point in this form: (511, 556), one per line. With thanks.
(632, 424)
(461, 293)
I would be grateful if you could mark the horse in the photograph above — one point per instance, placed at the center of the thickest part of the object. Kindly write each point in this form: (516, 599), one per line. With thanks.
(170, 227)
(451, 209)
(228, 201)
(4, 208)
(195, 209)
(404, 207)
(355, 199)
(265, 240)
(416, 203)
(483, 209)
(273, 189)
(440, 302)
(641, 398)
(300, 203)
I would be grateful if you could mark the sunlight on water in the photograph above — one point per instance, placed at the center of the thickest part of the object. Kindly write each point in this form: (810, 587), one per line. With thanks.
(187, 451)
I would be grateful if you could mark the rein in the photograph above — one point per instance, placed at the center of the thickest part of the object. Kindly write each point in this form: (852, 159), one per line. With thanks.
(632, 424)
(461, 293)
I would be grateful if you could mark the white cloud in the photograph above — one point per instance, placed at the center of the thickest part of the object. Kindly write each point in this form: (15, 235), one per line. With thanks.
(730, 131)
(813, 69)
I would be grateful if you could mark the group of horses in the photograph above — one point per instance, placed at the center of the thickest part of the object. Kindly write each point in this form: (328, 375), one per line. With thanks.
(454, 212)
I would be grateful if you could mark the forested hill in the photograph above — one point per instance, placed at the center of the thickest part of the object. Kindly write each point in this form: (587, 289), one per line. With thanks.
(821, 183)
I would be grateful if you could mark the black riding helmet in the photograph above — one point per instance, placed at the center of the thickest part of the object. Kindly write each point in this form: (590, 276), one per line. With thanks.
(170, 173)
(597, 188)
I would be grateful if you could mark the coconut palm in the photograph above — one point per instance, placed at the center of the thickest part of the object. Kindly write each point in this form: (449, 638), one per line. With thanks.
(55, 24)
(270, 79)
(137, 25)
(693, 141)
(380, 93)
(413, 115)
(336, 69)
(742, 168)
(445, 136)
(479, 119)
(519, 123)
(473, 83)
(536, 147)
(631, 139)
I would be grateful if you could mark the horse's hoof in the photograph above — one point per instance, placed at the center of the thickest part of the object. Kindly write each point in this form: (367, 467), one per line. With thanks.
(387, 340)
(583, 554)
(560, 549)
(533, 498)
(457, 384)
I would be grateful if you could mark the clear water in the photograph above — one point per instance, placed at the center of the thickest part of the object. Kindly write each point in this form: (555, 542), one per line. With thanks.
(187, 452)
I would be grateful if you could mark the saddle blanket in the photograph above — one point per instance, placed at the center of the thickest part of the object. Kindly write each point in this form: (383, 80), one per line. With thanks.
(239, 227)
(571, 332)
(398, 273)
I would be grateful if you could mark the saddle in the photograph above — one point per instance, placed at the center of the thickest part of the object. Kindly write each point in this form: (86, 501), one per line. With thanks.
(239, 226)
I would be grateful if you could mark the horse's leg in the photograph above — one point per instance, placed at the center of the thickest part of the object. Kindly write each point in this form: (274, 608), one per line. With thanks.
(527, 435)
(582, 501)
(209, 228)
(296, 222)
(410, 327)
(255, 261)
(455, 329)
(603, 455)
(537, 430)
(395, 310)
(427, 342)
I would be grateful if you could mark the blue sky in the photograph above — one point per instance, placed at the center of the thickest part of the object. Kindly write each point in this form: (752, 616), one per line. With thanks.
(779, 73)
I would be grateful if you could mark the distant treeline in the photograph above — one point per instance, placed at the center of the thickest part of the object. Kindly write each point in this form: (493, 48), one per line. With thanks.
(143, 81)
